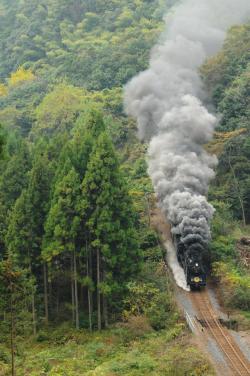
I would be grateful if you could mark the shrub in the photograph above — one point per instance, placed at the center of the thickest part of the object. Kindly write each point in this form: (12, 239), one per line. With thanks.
(4, 369)
(222, 248)
(42, 337)
(145, 299)
(138, 325)
(4, 355)
(159, 312)
(235, 286)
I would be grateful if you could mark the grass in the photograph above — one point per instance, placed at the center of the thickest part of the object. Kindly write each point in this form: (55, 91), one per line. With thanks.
(113, 352)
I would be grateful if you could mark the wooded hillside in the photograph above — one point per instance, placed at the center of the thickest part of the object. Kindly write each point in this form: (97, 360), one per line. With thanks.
(227, 77)
(76, 247)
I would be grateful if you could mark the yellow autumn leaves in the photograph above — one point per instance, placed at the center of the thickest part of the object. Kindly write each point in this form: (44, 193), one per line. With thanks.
(16, 78)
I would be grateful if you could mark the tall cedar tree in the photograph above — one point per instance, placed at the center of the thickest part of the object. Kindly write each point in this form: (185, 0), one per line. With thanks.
(111, 226)
(76, 152)
(13, 180)
(26, 223)
(14, 177)
(85, 134)
(73, 158)
(62, 227)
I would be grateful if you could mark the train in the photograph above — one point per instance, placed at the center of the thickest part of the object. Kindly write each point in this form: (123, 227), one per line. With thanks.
(191, 260)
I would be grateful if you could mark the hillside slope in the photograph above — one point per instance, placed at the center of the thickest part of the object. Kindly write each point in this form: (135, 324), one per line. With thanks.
(74, 186)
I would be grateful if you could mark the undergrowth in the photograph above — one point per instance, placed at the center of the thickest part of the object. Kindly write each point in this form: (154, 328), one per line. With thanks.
(113, 352)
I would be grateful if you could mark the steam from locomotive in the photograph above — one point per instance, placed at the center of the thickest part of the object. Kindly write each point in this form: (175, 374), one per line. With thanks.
(168, 102)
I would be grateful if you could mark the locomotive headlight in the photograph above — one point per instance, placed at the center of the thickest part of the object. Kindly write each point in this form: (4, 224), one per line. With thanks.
(197, 279)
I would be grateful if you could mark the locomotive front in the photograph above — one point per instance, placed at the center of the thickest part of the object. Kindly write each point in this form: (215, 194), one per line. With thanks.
(194, 270)
(191, 261)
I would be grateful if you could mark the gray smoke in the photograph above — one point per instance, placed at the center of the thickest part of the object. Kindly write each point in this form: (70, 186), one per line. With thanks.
(167, 101)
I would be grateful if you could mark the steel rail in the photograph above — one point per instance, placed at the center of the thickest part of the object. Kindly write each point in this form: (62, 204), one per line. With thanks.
(209, 326)
(232, 346)
(217, 337)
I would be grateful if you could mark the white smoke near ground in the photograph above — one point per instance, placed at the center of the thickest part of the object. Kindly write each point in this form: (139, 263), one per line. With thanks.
(167, 101)
(177, 270)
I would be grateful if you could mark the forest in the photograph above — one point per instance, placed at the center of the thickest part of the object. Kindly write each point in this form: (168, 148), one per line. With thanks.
(83, 288)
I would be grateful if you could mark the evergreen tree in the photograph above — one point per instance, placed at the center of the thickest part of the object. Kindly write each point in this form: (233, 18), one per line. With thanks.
(62, 228)
(88, 128)
(14, 177)
(109, 222)
(13, 180)
(26, 223)
(15, 292)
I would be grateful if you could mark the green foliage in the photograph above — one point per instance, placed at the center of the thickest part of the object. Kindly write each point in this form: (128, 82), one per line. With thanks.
(150, 296)
(17, 109)
(232, 180)
(59, 109)
(227, 76)
(227, 268)
(25, 229)
(14, 175)
(109, 216)
(4, 355)
(235, 285)
(63, 221)
(15, 294)
(223, 247)
(113, 352)
(87, 37)
(222, 69)
(13, 180)
(2, 142)
(64, 190)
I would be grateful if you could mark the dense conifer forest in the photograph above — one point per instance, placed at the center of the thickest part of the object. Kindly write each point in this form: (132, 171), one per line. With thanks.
(77, 252)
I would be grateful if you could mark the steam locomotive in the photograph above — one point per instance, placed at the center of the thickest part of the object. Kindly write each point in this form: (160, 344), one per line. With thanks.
(191, 261)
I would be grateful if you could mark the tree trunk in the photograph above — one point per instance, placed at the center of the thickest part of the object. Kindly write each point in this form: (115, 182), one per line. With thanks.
(57, 300)
(90, 309)
(76, 292)
(45, 285)
(33, 314)
(50, 295)
(99, 318)
(105, 311)
(105, 302)
(89, 274)
(237, 188)
(72, 290)
(33, 303)
(12, 328)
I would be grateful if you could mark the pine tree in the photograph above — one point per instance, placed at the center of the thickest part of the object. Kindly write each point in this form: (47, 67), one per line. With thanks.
(110, 223)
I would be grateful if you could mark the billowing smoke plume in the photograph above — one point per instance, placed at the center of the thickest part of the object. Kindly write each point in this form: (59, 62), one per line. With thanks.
(167, 101)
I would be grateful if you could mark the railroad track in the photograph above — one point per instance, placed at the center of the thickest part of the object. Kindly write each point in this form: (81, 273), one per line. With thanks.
(236, 360)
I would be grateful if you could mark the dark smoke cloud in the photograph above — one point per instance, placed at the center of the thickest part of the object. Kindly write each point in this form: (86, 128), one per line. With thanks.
(167, 102)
